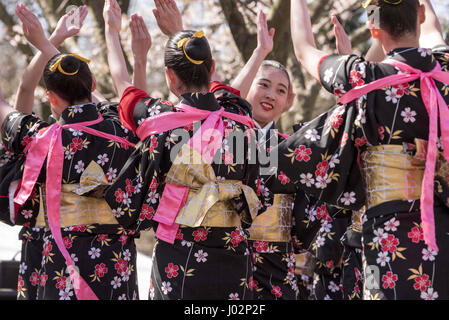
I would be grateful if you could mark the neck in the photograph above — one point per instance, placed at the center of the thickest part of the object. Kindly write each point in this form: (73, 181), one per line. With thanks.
(190, 90)
(389, 43)
(262, 124)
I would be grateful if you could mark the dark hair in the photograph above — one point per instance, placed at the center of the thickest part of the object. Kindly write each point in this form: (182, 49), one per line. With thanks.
(71, 88)
(398, 19)
(192, 75)
(279, 66)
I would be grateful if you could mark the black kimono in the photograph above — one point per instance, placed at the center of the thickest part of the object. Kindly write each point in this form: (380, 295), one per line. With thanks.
(102, 250)
(369, 152)
(210, 261)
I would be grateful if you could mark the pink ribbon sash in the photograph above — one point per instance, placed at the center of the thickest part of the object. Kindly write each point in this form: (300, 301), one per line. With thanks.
(207, 140)
(48, 144)
(436, 106)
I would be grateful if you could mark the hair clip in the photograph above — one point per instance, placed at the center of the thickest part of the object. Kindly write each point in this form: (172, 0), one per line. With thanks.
(182, 43)
(57, 64)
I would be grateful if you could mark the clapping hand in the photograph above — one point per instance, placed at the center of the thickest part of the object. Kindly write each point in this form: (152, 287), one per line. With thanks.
(168, 16)
(344, 45)
(140, 37)
(112, 15)
(69, 25)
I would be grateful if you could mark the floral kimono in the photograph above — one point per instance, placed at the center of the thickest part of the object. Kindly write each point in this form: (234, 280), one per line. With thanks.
(208, 257)
(271, 237)
(103, 252)
(371, 152)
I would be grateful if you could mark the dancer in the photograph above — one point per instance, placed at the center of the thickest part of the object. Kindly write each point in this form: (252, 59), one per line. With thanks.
(190, 192)
(86, 253)
(379, 133)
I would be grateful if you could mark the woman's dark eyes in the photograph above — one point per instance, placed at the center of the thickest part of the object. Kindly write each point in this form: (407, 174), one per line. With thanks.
(263, 85)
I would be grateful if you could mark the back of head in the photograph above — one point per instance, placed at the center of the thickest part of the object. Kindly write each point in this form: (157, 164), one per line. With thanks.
(69, 77)
(189, 55)
(397, 17)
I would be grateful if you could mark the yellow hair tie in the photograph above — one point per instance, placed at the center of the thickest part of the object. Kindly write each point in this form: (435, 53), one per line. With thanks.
(182, 43)
(57, 64)
(366, 3)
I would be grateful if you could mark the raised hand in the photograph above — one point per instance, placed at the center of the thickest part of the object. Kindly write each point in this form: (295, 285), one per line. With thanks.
(69, 25)
(112, 15)
(264, 36)
(168, 16)
(32, 28)
(140, 37)
(344, 45)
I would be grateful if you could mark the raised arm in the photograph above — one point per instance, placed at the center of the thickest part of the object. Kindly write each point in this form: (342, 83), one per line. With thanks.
(168, 16)
(113, 19)
(33, 73)
(246, 76)
(140, 44)
(431, 32)
(303, 42)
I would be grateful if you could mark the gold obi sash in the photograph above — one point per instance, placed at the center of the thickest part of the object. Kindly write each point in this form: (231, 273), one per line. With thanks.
(78, 209)
(357, 220)
(391, 174)
(305, 264)
(275, 223)
(210, 200)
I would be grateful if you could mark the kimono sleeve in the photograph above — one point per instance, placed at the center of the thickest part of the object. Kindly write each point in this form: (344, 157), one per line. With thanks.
(134, 196)
(321, 158)
(135, 106)
(19, 130)
(339, 74)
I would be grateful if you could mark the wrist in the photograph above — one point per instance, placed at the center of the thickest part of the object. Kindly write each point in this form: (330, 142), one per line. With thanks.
(56, 40)
(140, 61)
(261, 52)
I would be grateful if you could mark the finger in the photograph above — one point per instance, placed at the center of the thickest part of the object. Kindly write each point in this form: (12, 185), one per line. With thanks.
(158, 4)
(140, 27)
(172, 5)
(164, 5)
(272, 32)
(144, 28)
(24, 17)
(156, 14)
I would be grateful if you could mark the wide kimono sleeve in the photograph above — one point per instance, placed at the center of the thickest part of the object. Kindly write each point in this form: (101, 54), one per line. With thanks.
(18, 131)
(322, 157)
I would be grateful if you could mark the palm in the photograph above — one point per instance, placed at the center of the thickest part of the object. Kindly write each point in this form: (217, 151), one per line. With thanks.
(264, 36)
(112, 15)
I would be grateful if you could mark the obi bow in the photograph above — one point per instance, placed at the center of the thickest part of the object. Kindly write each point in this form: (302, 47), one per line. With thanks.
(436, 106)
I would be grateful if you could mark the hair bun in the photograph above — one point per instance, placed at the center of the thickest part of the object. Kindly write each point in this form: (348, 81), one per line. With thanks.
(70, 64)
(198, 48)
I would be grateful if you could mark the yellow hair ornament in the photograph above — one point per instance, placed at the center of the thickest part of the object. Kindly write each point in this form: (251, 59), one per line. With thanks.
(57, 64)
(182, 43)
(366, 3)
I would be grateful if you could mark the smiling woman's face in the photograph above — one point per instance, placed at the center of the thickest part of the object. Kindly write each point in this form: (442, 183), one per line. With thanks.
(268, 95)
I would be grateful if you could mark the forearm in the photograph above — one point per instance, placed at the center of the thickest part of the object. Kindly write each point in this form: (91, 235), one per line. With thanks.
(431, 31)
(245, 78)
(116, 61)
(30, 79)
(303, 42)
(140, 73)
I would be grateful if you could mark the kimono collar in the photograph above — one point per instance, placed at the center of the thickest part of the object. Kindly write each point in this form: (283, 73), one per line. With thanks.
(418, 58)
(201, 100)
(79, 113)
